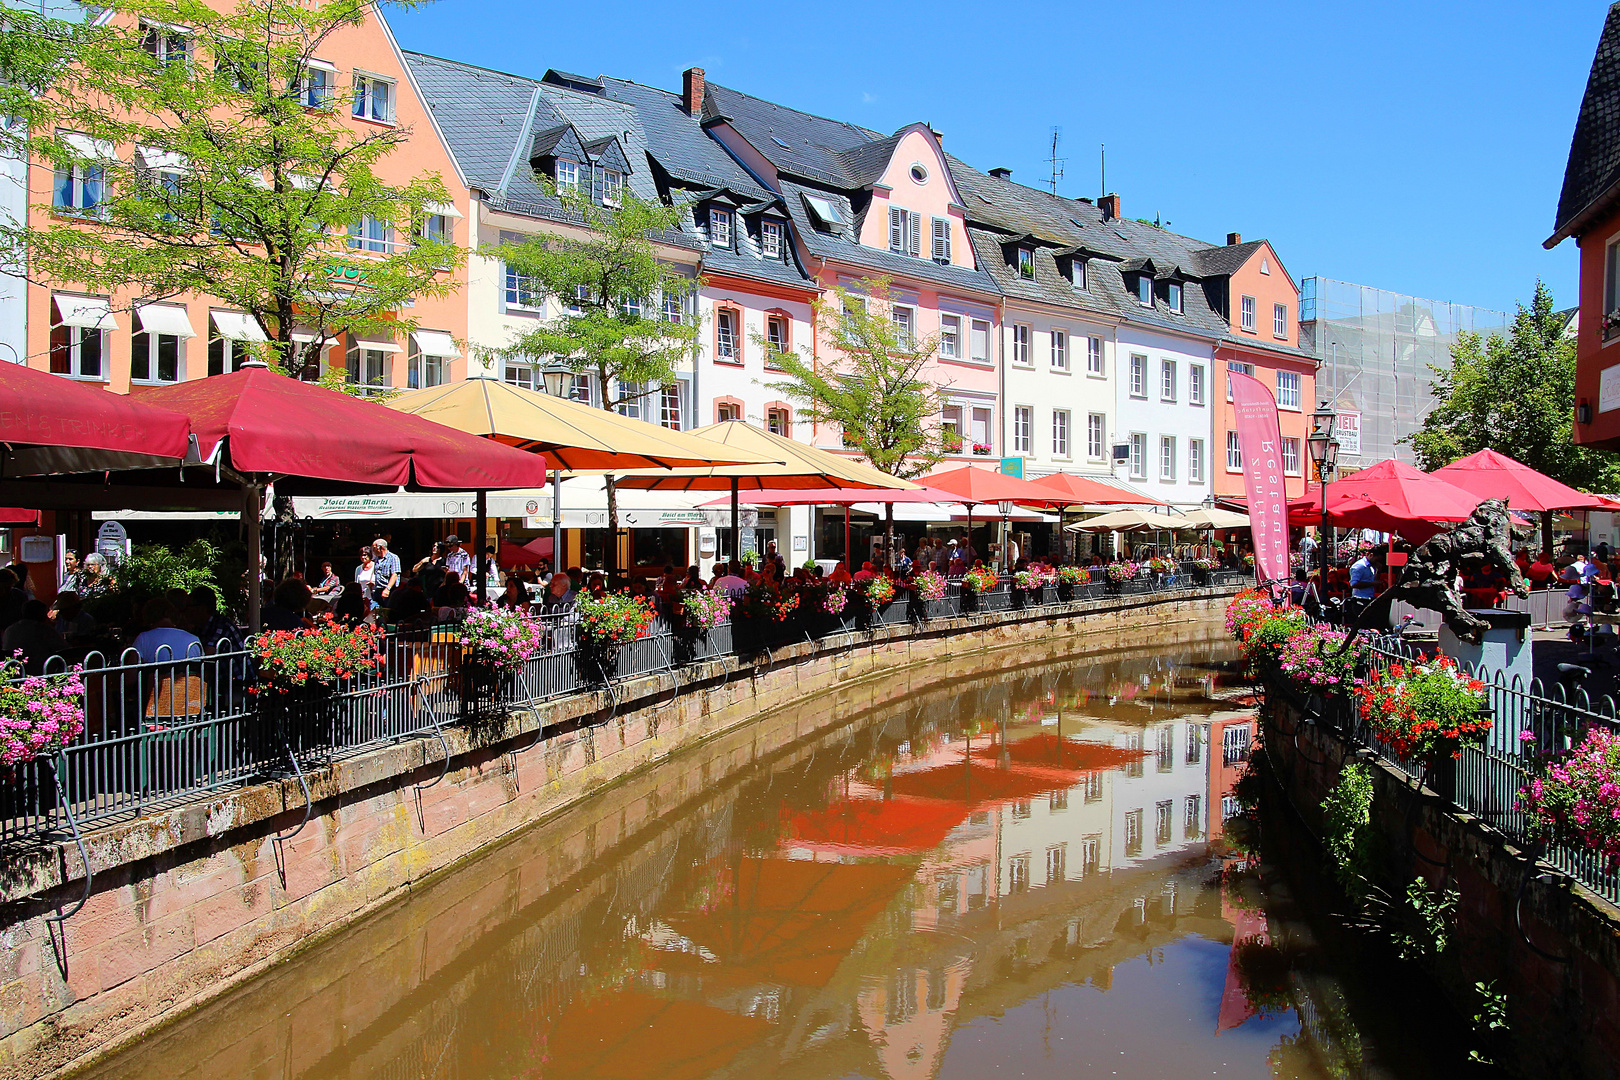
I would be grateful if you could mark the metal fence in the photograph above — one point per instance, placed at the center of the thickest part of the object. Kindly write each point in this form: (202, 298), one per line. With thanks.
(160, 733)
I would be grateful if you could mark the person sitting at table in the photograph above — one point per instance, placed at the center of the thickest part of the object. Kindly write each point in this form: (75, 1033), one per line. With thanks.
(33, 636)
(163, 640)
(840, 574)
(694, 580)
(1541, 572)
(73, 622)
(286, 608)
(450, 601)
(514, 597)
(559, 595)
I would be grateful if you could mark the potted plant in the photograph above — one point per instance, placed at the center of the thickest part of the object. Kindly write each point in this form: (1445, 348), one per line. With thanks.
(1120, 574)
(301, 673)
(1426, 712)
(1577, 800)
(701, 610)
(981, 449)
(1070, 578)
(496, 642)
(879, 593)
(39, 715)
(975, 583)
(605, 627)
(926, 588)
(1202, 568)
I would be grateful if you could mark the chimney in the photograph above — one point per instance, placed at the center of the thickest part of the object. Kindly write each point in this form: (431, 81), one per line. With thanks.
(1001, 174)
(692, 92)
(1109, 205)
(1233, 239)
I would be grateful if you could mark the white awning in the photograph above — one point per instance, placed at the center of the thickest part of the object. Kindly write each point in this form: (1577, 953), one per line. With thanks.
(434, 343)
(304, 182)
(88, 312)
(304, 337)
(165, 319)
(443, 209)
(236, 326)
(161, 159)
(376, 344)
(86, 147)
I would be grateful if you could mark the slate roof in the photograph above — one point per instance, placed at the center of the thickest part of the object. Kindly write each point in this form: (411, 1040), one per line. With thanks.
(812, 143)
(678, 144)
(1594, 152)
(1226, 260)
(866, 163)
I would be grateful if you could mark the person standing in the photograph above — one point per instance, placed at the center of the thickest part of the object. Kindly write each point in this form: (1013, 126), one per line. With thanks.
(365, 576)
(385, 573)
(457, 562)
(1307, 550)
(1363, 583)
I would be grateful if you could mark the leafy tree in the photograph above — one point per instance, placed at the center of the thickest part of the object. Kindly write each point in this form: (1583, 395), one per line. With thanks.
(35, 49)
(1515, 395)
(221, 160)
(613, 291)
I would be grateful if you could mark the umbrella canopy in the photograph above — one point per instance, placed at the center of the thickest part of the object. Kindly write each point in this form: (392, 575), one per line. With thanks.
(875, 826)
(1056, 752)
(837, 496)
(572, 436)
(980, 487)
(1490, 475)
(541, 546)
(52, 425)
(629, 1035)
(1405, 492)
(1072, 490)
(786, 464)
(1350, 512)
(12, 516)
(974, 783)
(1129, 521)
(1215, 518)
(510, 554)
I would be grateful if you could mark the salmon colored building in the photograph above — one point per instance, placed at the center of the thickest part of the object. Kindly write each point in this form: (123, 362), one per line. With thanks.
(111, 341)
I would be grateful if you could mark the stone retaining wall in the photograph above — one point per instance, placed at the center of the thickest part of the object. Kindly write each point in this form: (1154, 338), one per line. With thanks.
(188, 902)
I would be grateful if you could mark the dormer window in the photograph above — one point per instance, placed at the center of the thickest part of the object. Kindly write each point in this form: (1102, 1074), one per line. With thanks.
(1077, 271)
(607, 186)
(1175, 297)
(1026, 263)
(829, 218)
(1144, 290)
(567, 175)
(770, 239)
(720, 228)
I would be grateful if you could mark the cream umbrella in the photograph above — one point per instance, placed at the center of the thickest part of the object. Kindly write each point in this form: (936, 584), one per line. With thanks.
(1216, 518)
(1127, 521)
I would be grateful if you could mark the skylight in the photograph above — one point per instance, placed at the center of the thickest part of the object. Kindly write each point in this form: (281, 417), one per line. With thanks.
(825, 210)
(782, 144)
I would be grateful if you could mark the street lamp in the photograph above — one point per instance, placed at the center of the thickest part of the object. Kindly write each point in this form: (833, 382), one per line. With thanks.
(1324, 451)
(555, 377)
(1006, 509)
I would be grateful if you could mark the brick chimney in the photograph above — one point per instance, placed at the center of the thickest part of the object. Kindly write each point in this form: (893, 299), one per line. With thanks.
(1109, 205)
(1233, 239)
(1001, 174)
(692, 92)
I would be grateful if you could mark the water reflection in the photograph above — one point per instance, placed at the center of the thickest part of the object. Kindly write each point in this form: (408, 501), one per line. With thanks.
(1022, 871)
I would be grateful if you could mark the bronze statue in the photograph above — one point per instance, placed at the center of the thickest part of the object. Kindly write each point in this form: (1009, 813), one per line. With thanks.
(1429, 579)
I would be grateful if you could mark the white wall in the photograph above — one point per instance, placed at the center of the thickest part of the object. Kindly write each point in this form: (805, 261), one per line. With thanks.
(1156, 417)
(1044, 389)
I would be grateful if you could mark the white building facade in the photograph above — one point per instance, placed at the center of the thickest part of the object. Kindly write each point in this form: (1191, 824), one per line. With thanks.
(1163, 404)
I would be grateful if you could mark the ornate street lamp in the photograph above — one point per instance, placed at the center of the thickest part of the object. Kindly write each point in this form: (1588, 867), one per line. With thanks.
(1006, 509)
(1324, 451)
(556, 377)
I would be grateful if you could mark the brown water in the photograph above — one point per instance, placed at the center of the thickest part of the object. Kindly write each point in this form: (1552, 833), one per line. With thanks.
(1025, 874)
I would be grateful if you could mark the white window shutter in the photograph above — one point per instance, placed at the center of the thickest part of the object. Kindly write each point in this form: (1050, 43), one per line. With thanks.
(897, 229)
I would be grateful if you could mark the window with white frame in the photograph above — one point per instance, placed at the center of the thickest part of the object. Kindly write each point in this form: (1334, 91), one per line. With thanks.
(1195, 460)
(1174, 298)
(1235, 365)
(566, 173)
(165, 44)
(950, 428)
(1167, 457)
(519, 374)
(1078, 273)
(779, 421)
(942, 241)
(155, 357)
(1023, 429)
(373, 98)
(905, 231)
(1026, 263)
(576, 304)
(367, 367)
(1020, 345)
(80, 187)
(1144, 290)
(950, 336)
(1060, 433)
(1096, 446)
(674, 309)
(1288, 389)
(79, 351)
(1094, 356)
(1611, 288)
(422, 370)
(582, 389)
(1139, 455)
(1290, 457)
(669, 406)
(1060, 350)
(435, 228)
(981, 427)
(905, 325)
(317, 86)
(776, 339)
(1234, 453)
(979, 341)
(371, 234)
(770, 239)
(1247, 313)
(630, 397)
(1167, 380)
(226, 355)
(607, 186)
(522, 290)
(1279, 320)
(1195, 384)
(726, 410)
(720, 228)
(1138, 375)
(725, 334)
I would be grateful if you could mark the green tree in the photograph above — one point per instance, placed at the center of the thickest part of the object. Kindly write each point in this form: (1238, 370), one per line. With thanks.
(221, 159)
(35, 50)
(1515, 395)
(613, 291)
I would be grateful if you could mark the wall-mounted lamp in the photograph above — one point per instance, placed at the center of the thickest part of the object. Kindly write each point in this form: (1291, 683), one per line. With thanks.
(1583, 412)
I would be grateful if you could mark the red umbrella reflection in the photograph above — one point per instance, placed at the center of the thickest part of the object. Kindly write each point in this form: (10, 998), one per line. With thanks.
(876, 826)
(972, 783)
(628, 1035)
(1054, 751)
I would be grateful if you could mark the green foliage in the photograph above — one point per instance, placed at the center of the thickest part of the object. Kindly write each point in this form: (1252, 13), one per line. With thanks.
(152, 570)
(1489, 1017)
(1347, 812)
(1515, 395)
(1425, 927)
(35, 50)
(869, 380)
(239, 190)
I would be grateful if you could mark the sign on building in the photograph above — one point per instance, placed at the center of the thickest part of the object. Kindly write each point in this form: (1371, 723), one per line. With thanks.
(1348, 432)
(112, 541)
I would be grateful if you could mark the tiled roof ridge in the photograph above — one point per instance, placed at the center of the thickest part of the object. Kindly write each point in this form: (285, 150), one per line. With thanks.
(478, 69)
(870, 135)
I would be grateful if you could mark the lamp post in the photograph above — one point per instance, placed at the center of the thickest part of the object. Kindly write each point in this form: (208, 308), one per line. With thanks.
(555, 377)
(1324, 450)
(1006, 509)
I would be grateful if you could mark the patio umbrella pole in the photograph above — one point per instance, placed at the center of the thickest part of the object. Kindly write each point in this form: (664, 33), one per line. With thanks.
(556, 521)
(736, 524)
(252, 500)
(481, 510)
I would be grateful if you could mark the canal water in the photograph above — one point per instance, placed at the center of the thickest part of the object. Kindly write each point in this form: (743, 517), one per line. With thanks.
(1031, 873)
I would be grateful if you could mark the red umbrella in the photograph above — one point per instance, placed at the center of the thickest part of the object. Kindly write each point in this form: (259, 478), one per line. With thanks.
(49, 424)
(837, 496)
(511, 554)
(876, 826)
(1075, 490)
(1490, 475)
(541, 547)
(983, 486)
(1403, 491)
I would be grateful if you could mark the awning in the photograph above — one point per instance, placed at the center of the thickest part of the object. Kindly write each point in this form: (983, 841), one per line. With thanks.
(442, 209)
(88, 312)
(305, 337)
(93, 149)
(236, 326)
(165, 319)
(376, 344)
(433, 343)
(149, 158)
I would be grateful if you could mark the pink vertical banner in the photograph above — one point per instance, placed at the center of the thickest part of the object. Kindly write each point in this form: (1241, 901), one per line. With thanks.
(1260, 443)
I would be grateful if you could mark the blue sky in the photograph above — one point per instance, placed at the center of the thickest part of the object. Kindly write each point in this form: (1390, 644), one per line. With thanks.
(1414, 147)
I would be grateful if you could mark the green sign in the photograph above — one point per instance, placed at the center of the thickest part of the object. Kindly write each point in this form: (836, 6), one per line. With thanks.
(1013, 466)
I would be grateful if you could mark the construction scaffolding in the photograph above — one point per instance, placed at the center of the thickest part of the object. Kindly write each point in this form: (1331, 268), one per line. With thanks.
(1377, 351)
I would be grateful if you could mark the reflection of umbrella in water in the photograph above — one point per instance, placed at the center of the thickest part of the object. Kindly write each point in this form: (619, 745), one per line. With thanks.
(788, 921)
(627, 1035)
(876, 826)
(973, 783)
(1052, 751)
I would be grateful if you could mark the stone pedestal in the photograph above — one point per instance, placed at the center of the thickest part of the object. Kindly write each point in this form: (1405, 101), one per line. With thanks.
(1505, 649)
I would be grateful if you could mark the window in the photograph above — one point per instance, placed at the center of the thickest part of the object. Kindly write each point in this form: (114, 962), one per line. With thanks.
(317, 86)
(1095, 431)
(725, 334)
(1094, 356)
(1133, 832)
(1020, 345)
(1195, 384)
(669, 406)
(1279, 320)
(519, 375)
(942, 241)
(1248, 314)
(1234, 744)
(1167, 457)
(78, 351)
(630, 396)
(770, 239)
(421, 369)
(1138, 375)
(950, 428)
(776, 338)
(905, 324)
(1023, 429)
(979, 341)
(435, 228)
(779, 422)
(373, 98)
(164, 44)
(1138, 455)
(1163, 822)
(950, 336)
(1057, 802)
(371, 234)
(1195, 460)
(1078, 273)
(580, 387)
(1164, 749)
(1288, 389)
(1144, 290)
(1195, 744)
(367, 367)
(582, 296)
(1060, 351)
(1060, 433)
(607, 186)
(1233, 365)
(1175, 296)
(1018, 874)
(983, 441)
(720, 228)
(229, 340)
(726, 411)
(1234, 453)
(80, 186)
(1167, 380)
(1290, 457)
(1192, 823)
(905, 232)
(155, 357)
(1026, 263)
(1057, 858)
(522, 290)
(1611, 289)
(567, 176)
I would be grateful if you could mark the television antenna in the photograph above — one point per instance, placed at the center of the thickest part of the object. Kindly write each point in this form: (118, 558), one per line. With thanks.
(1054, 161)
